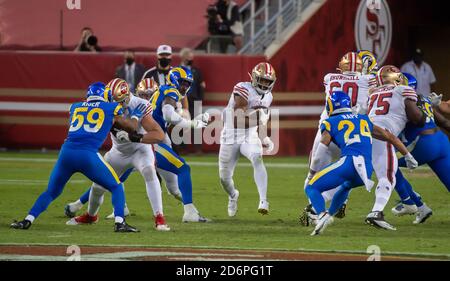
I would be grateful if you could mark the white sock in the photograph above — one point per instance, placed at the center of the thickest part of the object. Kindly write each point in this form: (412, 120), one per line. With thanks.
(260, 176)
(95, 199)
(118, 220)
(75, 206)
(30, 218)
(153, 188)
(190, 208)
(382, 195)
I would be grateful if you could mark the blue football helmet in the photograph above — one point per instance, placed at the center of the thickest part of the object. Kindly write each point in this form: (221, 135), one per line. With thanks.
(97, 91)
(410, 80)
(338, 102)
(181, 78)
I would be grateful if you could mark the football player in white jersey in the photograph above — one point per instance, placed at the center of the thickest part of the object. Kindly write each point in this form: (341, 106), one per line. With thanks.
(352, 81)
(247, 113)
(391, 106)
(124, 155)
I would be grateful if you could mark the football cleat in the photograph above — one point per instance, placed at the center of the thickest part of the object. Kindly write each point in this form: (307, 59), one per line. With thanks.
(324, 220)
(194, 217)
(83, 219)
(69, 212)
(404, 209)
(232, 204)
(307, 215)
(263, 207)
(160, 223)
(25, 224)
(341, 212)
(423, 213)
(376, 219)
(124, 227)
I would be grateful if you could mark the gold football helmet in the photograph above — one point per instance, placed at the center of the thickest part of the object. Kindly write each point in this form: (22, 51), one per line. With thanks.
(370, 64)
(350, 62)
(390, 75)
(146, 88)
(263, 78)
(120, 90)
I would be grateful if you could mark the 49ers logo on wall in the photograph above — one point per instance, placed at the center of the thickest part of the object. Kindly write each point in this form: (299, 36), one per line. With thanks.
(373, 28)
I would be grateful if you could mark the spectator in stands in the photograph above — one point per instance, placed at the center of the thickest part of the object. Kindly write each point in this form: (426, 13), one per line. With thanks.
(197, 88)
(224, 19)
(88, 41)
(422, 71)
(159, 72)
(130, 71)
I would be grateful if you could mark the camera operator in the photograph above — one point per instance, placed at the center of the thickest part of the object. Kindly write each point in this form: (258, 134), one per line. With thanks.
(88, 41)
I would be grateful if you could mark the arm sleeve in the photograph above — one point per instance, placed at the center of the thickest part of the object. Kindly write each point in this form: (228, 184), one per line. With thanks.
(172, 117)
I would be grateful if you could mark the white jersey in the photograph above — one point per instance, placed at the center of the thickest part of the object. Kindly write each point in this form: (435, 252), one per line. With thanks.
(354, 84)
(387, 107)
(131, 147)
(254, 99)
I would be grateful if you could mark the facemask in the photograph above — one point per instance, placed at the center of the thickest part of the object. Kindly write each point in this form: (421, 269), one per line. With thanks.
(164, 62)
(129, 61)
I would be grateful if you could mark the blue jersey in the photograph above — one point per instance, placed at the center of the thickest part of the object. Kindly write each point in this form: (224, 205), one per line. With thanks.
(412, 131)
(157, 102)
(90, 123)
(351, 133)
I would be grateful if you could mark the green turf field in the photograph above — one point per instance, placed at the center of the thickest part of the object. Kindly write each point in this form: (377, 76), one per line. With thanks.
(23, 176)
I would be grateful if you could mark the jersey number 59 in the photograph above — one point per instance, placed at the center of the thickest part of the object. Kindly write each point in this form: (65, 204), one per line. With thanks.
(91, 120)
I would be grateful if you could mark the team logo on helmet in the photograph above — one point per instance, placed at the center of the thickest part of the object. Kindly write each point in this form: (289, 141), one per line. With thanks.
(119, 89)
(146, 88)
(350, 62)
(263, 78)
(369, 61)
(180, 76)
(390, 75)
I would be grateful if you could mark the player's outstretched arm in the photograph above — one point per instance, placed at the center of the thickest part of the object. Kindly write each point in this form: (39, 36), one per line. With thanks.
(414, 114)
(154, 132)
(441, 121)
(384, 135)
(244, 119)
(130, 125)
(320, 152)
(171, 116)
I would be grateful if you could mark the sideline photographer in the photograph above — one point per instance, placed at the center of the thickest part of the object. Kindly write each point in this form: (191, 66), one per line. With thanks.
(88, 41)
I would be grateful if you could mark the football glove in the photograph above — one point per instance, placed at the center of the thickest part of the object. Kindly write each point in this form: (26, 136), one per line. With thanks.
(200, 121)
(268, 143)
(411, 163)
(435, 99)
(138, 112)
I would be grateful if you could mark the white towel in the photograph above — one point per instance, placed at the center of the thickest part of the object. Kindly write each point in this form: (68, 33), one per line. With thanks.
(360, 166)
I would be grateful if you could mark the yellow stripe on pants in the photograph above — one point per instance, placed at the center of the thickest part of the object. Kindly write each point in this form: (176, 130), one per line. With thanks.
(169, 156)
(326, 170)
(109, 168)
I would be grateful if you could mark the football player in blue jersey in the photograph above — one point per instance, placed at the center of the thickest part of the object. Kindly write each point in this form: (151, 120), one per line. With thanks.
(90, 123)
(170, 165)
(429, 146)
(353, 135)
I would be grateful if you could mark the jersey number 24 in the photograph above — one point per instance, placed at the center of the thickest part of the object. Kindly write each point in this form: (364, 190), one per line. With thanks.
(349, 126)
